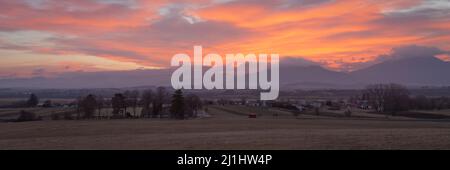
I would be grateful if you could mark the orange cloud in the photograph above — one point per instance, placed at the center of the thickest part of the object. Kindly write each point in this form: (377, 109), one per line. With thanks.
(149, 33)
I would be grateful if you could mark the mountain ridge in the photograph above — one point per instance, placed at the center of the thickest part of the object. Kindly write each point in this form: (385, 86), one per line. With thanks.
(417, 71)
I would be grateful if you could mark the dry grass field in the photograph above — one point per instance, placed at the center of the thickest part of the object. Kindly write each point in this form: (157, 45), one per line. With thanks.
(227, 130)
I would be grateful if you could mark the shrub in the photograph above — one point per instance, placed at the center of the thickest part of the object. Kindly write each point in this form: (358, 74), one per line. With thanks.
(55, 116)
(27, 116)
(68, 116)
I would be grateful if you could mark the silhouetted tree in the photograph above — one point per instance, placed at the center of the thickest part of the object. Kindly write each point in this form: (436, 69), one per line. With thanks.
(193, 104)
(88, 105)
(243, 101)
(27, 116)
(132, 99)
(68, 116)
(47, 103)
(422, 102)
(126, 94)
(32, 101)
(100, 105)
(159, 100)
(118, 104)
(387, 98)
(329, 103)
(177, 108)
(79, 102)
(442, 103)
(146, 101)
(222, 102)
(55, 116)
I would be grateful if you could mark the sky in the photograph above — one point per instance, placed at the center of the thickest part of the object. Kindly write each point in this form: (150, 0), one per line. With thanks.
(51, 37)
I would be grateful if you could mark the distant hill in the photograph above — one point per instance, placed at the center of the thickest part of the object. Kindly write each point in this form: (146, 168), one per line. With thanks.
(311, 77)
(417, 71)
(410, 71)
(108, 79)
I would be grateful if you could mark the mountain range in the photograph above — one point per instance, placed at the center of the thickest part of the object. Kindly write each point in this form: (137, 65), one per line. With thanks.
(415, 71)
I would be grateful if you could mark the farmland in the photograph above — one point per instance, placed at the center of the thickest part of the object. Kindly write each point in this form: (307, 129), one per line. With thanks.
(228, 127)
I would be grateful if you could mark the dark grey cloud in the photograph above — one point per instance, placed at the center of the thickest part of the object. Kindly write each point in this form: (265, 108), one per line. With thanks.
(419, 17)
(397, 53)
(303, 3)
(178, 28)
(174, 30)
(411, 51)
(279, 4)
(17, 15)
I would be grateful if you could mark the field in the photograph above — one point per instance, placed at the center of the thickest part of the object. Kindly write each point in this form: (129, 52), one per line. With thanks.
(229, 129)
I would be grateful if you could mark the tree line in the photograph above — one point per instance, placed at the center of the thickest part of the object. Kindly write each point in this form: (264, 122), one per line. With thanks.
(153, 103)
(383, 98)
(393, 98)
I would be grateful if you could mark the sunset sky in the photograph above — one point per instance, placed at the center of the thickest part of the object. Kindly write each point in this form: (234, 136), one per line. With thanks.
(49, 37)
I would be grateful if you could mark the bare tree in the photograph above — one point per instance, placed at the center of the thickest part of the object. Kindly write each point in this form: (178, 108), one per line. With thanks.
(118, 104)
(127, 95)
(178, 106)
(88, 105)
(160, 97)
(375, 95)
(387, 97)
(132, 100)
(32, 101)
(27, 116)
(193, 104)
(47, 104)
(78, 102)
(100, 105)
(146, 101)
